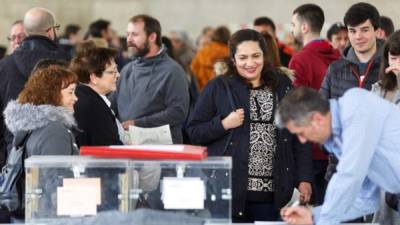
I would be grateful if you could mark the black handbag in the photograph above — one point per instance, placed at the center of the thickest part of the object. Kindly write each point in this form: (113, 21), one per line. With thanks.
(12, 174)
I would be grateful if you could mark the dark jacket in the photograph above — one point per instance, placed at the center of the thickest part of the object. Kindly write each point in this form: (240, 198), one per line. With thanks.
(292, 160)
(339, 76)
(95, 119)
(153, 92)
(15, 70)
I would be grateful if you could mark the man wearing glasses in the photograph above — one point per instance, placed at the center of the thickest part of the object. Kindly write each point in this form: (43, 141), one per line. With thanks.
(15, 69)
(17, 34)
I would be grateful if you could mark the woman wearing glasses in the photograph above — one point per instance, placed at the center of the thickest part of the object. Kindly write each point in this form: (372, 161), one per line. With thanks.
(98, 74)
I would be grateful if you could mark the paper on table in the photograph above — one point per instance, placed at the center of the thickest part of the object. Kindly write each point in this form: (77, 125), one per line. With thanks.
(155, 135)
(93, 183)
(76, 201)
(183, 193)
(269, 223)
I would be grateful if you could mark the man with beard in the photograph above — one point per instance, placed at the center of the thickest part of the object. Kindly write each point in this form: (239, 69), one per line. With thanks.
(310, 65)
(152, 90)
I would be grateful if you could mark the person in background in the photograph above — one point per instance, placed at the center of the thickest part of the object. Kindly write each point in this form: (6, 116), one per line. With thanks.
(310, 65)
(71, 37)
(152, 90)
(360, 63)
(15, 69)
(17, 35)
(265, 24)
(267, 163)
(183, 48)
(98, 74)
(388, 87)
(203, 63)
(337, 36)
(204, 38)
(386, 27)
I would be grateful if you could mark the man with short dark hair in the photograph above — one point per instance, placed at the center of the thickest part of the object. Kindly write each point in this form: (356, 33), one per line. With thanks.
(386, 27)
(360, 63)
(15, 69)
(366, 142)
(337, 36)
(359, 66)
(152, 90)
(310, 65)
(265, 24)
(71, 37)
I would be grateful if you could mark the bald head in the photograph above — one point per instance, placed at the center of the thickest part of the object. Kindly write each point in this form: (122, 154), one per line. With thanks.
(38, 20)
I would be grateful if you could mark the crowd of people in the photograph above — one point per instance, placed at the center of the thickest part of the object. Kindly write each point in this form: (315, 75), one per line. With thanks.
(289, 118)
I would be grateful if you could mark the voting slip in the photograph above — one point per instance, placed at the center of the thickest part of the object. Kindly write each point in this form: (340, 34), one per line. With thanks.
(295, 200)
(150, 136)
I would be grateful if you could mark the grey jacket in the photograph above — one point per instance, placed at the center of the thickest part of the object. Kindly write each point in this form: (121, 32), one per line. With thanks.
(153, 92)
(339, 76)
(50, 126)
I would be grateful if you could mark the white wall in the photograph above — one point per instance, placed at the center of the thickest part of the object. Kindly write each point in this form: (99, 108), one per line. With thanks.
(190, 15)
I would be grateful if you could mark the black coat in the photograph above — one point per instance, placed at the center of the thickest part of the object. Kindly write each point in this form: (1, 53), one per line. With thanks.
(292, 163)
(95, 119)
(15, 70)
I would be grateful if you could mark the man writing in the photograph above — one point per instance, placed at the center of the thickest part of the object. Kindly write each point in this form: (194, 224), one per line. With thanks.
(365, 141)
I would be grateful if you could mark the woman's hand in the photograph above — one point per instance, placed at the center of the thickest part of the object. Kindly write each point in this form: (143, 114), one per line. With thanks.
(233, 120)
(394, 69)
(305, 192)
(128, 123)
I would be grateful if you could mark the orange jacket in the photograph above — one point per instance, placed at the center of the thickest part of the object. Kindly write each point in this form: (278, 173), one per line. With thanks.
(203, 63)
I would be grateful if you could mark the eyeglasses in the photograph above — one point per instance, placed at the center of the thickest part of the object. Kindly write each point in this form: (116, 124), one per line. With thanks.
(16, 37)
(112, 72)
(56, 27)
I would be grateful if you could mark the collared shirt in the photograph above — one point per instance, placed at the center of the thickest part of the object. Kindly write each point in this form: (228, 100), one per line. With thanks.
(365, 138)
(123, 135)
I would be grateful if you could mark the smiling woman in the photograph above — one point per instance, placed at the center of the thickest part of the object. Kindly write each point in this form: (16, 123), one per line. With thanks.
(98, 75)
(45, 107)
(268, 163)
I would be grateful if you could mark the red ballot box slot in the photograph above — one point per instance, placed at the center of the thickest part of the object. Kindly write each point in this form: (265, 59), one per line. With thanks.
(158, 152)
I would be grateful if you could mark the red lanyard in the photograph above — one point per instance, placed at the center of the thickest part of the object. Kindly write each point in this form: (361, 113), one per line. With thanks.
(359, 77)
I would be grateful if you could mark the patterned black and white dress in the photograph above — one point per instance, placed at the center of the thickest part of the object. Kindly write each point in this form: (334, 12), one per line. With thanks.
(262, 145)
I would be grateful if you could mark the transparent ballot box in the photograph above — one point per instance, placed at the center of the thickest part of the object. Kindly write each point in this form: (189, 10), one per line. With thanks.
(83, 186)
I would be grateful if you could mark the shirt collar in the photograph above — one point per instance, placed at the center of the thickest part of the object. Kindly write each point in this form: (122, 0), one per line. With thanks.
(335, 137)
(106, 100)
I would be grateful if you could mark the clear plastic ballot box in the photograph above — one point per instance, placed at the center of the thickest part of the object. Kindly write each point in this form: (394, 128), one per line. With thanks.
(83, 186)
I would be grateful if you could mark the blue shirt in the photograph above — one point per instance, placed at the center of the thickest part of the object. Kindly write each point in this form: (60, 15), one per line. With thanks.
(366, 139)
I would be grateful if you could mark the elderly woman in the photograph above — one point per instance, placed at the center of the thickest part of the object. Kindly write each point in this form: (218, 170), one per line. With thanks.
(267, 163)
(45, 107)
(98, 74)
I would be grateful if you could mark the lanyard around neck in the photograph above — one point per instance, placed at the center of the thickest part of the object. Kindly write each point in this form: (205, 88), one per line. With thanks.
(360, 78)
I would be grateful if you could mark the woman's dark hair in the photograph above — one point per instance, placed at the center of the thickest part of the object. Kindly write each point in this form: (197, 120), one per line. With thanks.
(91, 60)
(267, 73)
(44, 86)
(221, 34)
(272, 50)
(392, 46)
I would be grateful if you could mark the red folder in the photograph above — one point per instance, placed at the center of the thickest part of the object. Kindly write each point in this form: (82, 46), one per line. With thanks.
(159, 152)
